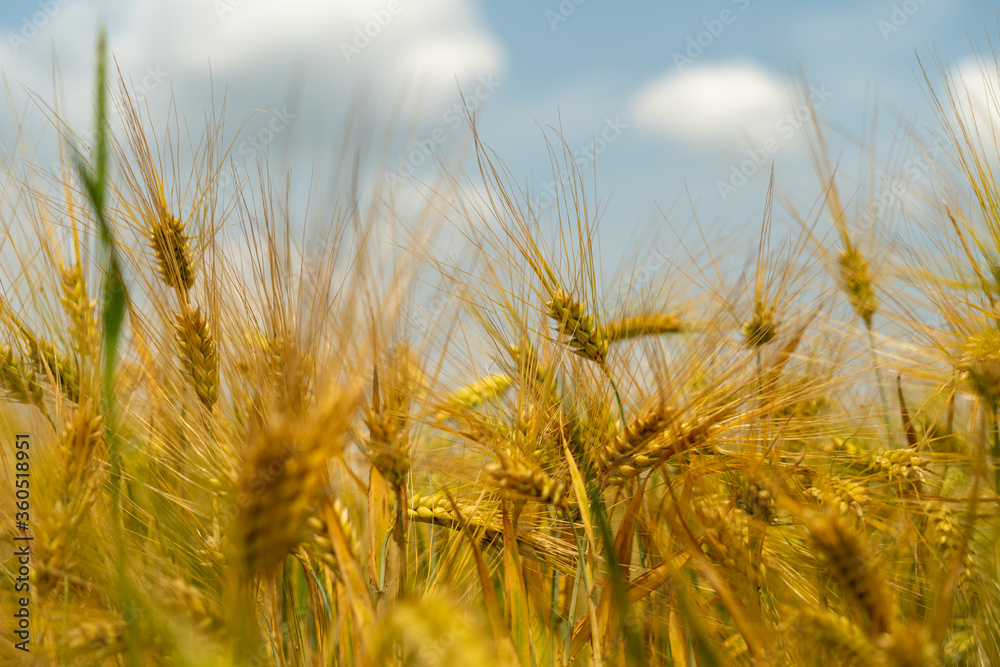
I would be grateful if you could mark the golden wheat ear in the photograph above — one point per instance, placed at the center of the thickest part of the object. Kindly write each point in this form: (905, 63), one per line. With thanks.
(281, 482)
(646, 324)
(172, 250)
(388, 419)
(857, 282)
(837, 634)
(48, 361)
(762, 327)
(585, 336)
(199, 354)
(18, 379)
(79, 308)
(467, 398)
(527, 482)
(851, 565)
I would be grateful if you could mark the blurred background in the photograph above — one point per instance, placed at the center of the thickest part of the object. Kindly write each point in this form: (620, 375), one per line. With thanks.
(675, 112)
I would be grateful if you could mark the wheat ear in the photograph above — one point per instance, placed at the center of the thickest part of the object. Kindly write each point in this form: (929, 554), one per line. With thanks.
(171, 246)
(198, 353)
(528, 482)
(585, 337)
(851, 567)
(18, 379)
(649, 324)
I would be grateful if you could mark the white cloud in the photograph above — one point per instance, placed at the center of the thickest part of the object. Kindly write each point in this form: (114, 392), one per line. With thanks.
(714, 105)
(977, 96)
(257, 50)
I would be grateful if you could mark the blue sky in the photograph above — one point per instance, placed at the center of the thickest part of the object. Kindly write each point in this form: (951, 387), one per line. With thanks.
(673, 94)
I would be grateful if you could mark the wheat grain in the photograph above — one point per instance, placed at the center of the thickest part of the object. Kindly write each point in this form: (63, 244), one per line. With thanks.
(471, 396)
(841, 495)
(647, 443)
(900, 465)
(82, 440)
(726, 537)
(183, 597)
(653, 420)
(536, 545)
(97, 640)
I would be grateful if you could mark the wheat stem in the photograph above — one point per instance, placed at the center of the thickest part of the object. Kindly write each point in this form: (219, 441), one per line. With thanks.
(881, 385)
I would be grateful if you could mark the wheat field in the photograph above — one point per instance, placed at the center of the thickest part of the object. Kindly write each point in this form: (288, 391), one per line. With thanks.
(280, 455)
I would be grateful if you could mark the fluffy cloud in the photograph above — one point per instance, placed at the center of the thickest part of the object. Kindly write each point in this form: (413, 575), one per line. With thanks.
(256, 51)
(977, 96)
(714, 105)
